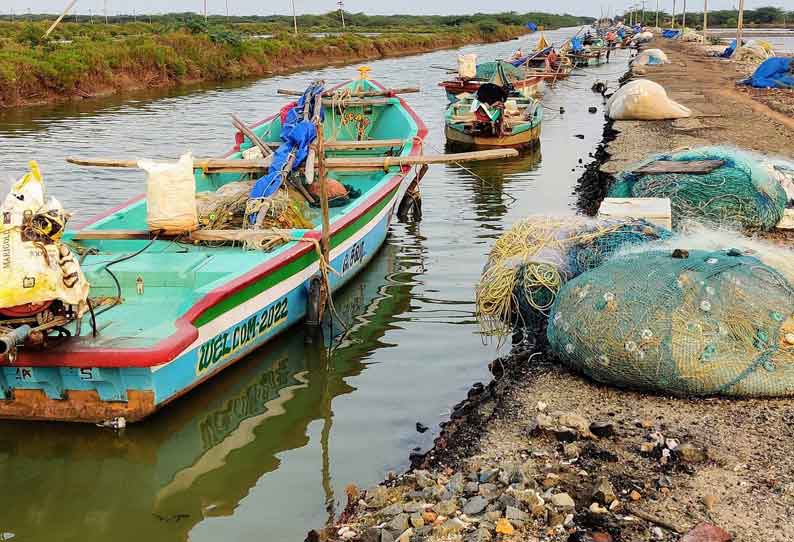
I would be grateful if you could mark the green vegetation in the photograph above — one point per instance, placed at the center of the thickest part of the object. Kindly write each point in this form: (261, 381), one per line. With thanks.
(84, 59)
(762, 17)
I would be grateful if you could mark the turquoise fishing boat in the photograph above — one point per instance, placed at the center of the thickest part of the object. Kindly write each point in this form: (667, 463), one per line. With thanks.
(181, 310)
(516, 124)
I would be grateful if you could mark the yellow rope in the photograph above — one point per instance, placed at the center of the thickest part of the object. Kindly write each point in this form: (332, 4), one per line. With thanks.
(539, 244)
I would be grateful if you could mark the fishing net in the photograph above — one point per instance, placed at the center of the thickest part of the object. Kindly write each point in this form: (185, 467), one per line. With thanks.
(741, 193)
(494, 71)
(529, 264)
(224, 208)
(687, 323)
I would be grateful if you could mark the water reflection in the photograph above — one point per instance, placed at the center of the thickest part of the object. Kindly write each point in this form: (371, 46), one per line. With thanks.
(202, 456)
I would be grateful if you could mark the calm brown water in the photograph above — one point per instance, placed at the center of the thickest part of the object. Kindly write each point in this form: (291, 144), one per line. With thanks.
(264, 451)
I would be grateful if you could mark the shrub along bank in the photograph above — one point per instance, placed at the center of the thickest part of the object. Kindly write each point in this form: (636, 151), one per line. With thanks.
(83, 60)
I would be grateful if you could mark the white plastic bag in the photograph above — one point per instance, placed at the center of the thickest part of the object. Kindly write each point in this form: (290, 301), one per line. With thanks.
(171, 195)
(35, 267)
(644, 100)
(467, 66)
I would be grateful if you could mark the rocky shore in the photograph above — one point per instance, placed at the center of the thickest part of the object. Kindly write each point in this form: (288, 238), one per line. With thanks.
(541, 454)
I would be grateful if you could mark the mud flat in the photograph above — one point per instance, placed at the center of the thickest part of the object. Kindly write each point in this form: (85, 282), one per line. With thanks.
(543, 454)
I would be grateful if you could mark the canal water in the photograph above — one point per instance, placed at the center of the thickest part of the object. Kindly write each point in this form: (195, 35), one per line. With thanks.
(264, 450)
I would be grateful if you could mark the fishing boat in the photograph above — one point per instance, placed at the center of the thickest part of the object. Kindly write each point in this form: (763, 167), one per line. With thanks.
(587, 51)
(184, 310)
(511, 122)
(499, 72)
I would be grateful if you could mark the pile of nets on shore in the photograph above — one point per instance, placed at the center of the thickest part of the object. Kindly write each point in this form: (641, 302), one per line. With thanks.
(650, 57)
(745, 192)
(692, 321)
(529, 264)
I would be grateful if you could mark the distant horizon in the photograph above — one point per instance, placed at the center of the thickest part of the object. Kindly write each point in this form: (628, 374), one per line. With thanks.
(248, 8)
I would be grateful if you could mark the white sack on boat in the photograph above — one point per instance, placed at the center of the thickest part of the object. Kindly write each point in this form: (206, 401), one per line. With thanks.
(34, 265)
(467, 66)
(644, 100)
(171, 195)
(642, 37)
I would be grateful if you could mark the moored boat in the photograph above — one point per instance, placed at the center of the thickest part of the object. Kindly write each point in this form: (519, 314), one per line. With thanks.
(513, 122)
(527, 84)
(171, 311)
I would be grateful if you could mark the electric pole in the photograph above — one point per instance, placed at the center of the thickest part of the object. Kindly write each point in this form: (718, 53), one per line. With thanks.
(683, 18)
(705, 20)
(674, 14)
(205, 11)
(740, 25)
(657, 13)
(294, 18)
(341, 5)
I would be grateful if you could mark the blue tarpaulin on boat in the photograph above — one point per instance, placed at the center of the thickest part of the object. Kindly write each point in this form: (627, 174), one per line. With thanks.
(621, 33)
(728, 52)
(532, 26)
(577, 44)
(297, 134)
(775, 72)
(670, 34)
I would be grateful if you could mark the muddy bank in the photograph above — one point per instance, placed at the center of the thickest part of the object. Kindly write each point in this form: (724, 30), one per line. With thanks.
(543, 454)
(40, 77)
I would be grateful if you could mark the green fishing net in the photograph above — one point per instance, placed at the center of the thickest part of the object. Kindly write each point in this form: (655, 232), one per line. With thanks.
(697, 323)
(742, 193)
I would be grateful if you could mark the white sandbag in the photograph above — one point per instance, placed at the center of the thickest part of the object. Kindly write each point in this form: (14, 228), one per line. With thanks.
(467, 66)
(171, 195)
(642, 37)
(35, 266)
(644, 100)
(651, 57)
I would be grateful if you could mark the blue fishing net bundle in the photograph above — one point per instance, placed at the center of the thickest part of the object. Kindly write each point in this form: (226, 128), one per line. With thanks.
(742, 193)
(692, 323)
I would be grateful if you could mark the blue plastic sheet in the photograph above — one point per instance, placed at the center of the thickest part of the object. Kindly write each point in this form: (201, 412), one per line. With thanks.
(728, 52)
(670, 34)
(532, 26)
(577, 44)
(775, 72)
(297, 134)
(536, 54)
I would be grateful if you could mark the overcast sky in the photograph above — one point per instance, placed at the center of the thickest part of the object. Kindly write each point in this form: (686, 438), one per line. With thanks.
(268, 7)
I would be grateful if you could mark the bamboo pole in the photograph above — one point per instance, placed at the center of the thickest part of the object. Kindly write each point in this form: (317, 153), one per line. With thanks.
(321, 160)
(215, 164)
(705, 21)
(683, 19)
(674, 14)
(69, 6)
(657, 14)
(240, 125)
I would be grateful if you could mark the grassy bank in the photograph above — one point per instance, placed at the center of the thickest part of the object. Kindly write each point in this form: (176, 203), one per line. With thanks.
(83, 59)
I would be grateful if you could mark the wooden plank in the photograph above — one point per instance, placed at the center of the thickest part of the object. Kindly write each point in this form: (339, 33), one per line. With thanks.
(252, 137)
(346, 145)
(694, 167)
(364, 144)
(112, 235)
(372, 93)
(214, 164)
(384, 162)
(357, 102)
(145, 235)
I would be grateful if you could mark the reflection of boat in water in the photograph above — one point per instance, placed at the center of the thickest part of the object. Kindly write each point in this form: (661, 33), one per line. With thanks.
(204, 455)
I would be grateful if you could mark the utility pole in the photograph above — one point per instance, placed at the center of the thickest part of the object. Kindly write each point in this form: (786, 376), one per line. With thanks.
(683, 18)
(205, 11)
(294, 18)
(227, 9)
(643, 13)
(705, 20)
(341, 5)
(740, 25)
(674, 14)
(657, 13)
(105, 5)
